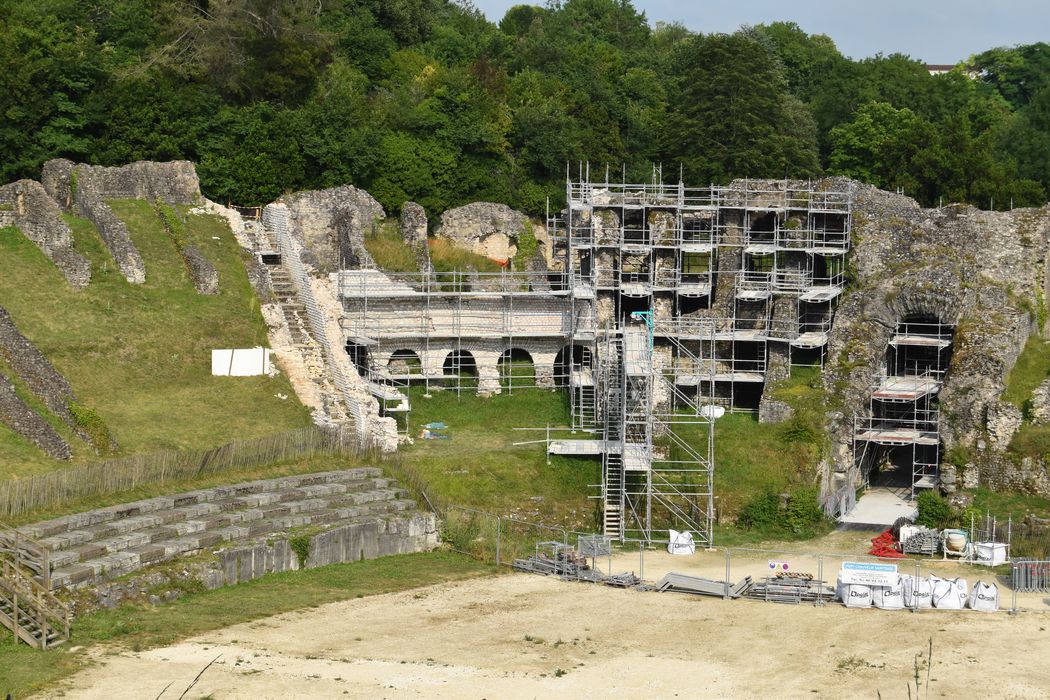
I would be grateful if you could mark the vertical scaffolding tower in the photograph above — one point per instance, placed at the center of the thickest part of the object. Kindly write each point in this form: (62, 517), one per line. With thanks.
(903, 415)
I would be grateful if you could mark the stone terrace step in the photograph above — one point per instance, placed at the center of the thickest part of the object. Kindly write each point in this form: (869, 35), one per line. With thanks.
(106, 564)
(90, 547)
(126, 511)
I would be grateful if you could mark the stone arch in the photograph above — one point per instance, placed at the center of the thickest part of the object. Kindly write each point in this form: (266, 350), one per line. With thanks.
(516, 368)
(404, 361)
(461, 367)
(573, 356)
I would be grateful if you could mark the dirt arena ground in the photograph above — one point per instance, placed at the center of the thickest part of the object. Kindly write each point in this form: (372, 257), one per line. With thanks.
(527, 636)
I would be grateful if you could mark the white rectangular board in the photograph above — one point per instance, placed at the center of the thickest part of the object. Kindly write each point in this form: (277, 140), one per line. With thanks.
(868, 573)
(240, 362)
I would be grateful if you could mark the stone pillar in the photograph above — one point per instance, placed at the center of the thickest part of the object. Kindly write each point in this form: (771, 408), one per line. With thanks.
(543, 363)
(488, 372)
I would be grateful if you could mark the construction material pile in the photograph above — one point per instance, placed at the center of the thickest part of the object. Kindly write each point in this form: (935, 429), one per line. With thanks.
(562, 560)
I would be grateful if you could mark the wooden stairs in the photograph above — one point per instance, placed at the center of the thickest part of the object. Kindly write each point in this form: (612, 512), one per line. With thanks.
(27, 607)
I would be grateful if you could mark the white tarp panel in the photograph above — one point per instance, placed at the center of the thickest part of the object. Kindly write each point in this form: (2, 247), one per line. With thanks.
(240, 362)
(889, 597)
(984, 596)
(949, 593)
(680, 542)
(918, 592)
(990, 553)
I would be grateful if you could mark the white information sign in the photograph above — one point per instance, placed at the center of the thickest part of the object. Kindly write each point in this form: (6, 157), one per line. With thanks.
(868, 573)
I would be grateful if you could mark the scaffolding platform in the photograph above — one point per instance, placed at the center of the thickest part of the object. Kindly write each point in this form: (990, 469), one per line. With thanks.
(894, 435)
(753, 294)
(906, 388)
(580, 448)
(636, 359)
(693, 290)
(820, 294)
(926, 341)
(810, 340)
(636, 458)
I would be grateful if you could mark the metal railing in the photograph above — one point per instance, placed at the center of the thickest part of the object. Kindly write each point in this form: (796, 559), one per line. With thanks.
(275, 218)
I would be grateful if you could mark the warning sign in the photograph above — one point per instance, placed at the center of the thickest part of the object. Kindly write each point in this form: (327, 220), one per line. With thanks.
(868, 573)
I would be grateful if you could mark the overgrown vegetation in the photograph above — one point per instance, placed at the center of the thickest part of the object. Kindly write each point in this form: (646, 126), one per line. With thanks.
(140, 355)
(428, 100)
(88, 420)
(388, 248)
(1031, 368)
(934, 511)
(448, 257)
(24, 670)
(795, 514)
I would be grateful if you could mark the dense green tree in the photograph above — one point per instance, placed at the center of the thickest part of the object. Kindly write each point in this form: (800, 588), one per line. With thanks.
(730, 114)
(427, 100)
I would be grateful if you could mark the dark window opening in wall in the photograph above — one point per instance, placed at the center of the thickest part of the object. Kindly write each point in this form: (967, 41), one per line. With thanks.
(697, 230)
(832, 223)
(892, 466)
(571, 358)
(762, 262)
(634, 227)
(761, 227)
(921, 345)
(628, 305)
(358, 356)
(690, 305)
(807, 357)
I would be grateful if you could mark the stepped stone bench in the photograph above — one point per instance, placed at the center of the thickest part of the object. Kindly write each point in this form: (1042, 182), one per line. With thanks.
(362, 514)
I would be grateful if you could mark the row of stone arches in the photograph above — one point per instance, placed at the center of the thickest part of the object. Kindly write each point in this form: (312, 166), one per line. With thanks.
(515, 367)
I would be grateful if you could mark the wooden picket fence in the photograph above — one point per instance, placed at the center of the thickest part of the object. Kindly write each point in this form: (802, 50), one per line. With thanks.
(20, 496)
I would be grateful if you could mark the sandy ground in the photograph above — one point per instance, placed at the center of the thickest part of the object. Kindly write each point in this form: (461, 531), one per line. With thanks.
(527, 636)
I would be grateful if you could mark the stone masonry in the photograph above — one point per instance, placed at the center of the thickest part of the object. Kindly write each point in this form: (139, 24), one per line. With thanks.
(38, 217)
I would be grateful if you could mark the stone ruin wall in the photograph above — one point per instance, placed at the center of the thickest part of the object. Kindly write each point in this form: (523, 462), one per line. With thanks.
(84, 189)
(30, 209)
(983, 272)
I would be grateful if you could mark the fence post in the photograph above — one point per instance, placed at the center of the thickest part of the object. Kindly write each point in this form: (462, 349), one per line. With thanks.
(725, 596)
(499, 535)
(914, 589)
(1013, 585)
(820, 579)
(641, 560)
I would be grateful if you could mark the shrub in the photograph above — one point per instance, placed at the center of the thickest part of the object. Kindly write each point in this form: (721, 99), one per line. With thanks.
(91, 423)
(934, 511)
(300, 544)
(761, 512)
(800, 514)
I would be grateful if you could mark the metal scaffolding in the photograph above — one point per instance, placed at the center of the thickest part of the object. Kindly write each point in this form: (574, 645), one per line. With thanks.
(903, 412)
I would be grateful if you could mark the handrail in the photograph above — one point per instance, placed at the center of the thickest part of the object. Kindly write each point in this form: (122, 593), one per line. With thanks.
(39, 558)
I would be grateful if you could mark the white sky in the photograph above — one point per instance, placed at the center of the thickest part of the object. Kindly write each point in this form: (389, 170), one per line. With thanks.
(933, 31)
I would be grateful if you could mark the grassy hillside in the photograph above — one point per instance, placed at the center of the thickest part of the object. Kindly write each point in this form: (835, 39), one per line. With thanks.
(140, 355)
(479, 465)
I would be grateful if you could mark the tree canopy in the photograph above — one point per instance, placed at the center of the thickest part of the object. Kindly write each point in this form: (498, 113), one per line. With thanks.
(427, 100)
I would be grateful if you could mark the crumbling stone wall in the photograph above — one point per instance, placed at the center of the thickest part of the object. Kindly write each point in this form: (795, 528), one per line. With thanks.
(484, 228)
(203, 274)
(38, 217)
(331, 225)
(414, 233)
(979, 271)
(86, 188)
(33, 368)
(17, 415)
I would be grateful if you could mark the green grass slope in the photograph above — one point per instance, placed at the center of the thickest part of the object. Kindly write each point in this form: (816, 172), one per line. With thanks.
(140, 355)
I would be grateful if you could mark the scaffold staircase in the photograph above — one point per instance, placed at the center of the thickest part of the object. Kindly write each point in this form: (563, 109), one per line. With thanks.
(613, 477)
(27, 607)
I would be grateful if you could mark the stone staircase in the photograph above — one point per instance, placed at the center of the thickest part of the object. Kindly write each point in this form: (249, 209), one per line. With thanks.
(92, 547)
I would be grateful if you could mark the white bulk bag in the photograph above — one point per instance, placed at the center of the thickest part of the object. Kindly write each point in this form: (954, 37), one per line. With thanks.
(918, 592)
(984, 596)
(856, 595)
(889, 597)
(990, 553)
(680, 542)
(949, 593)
